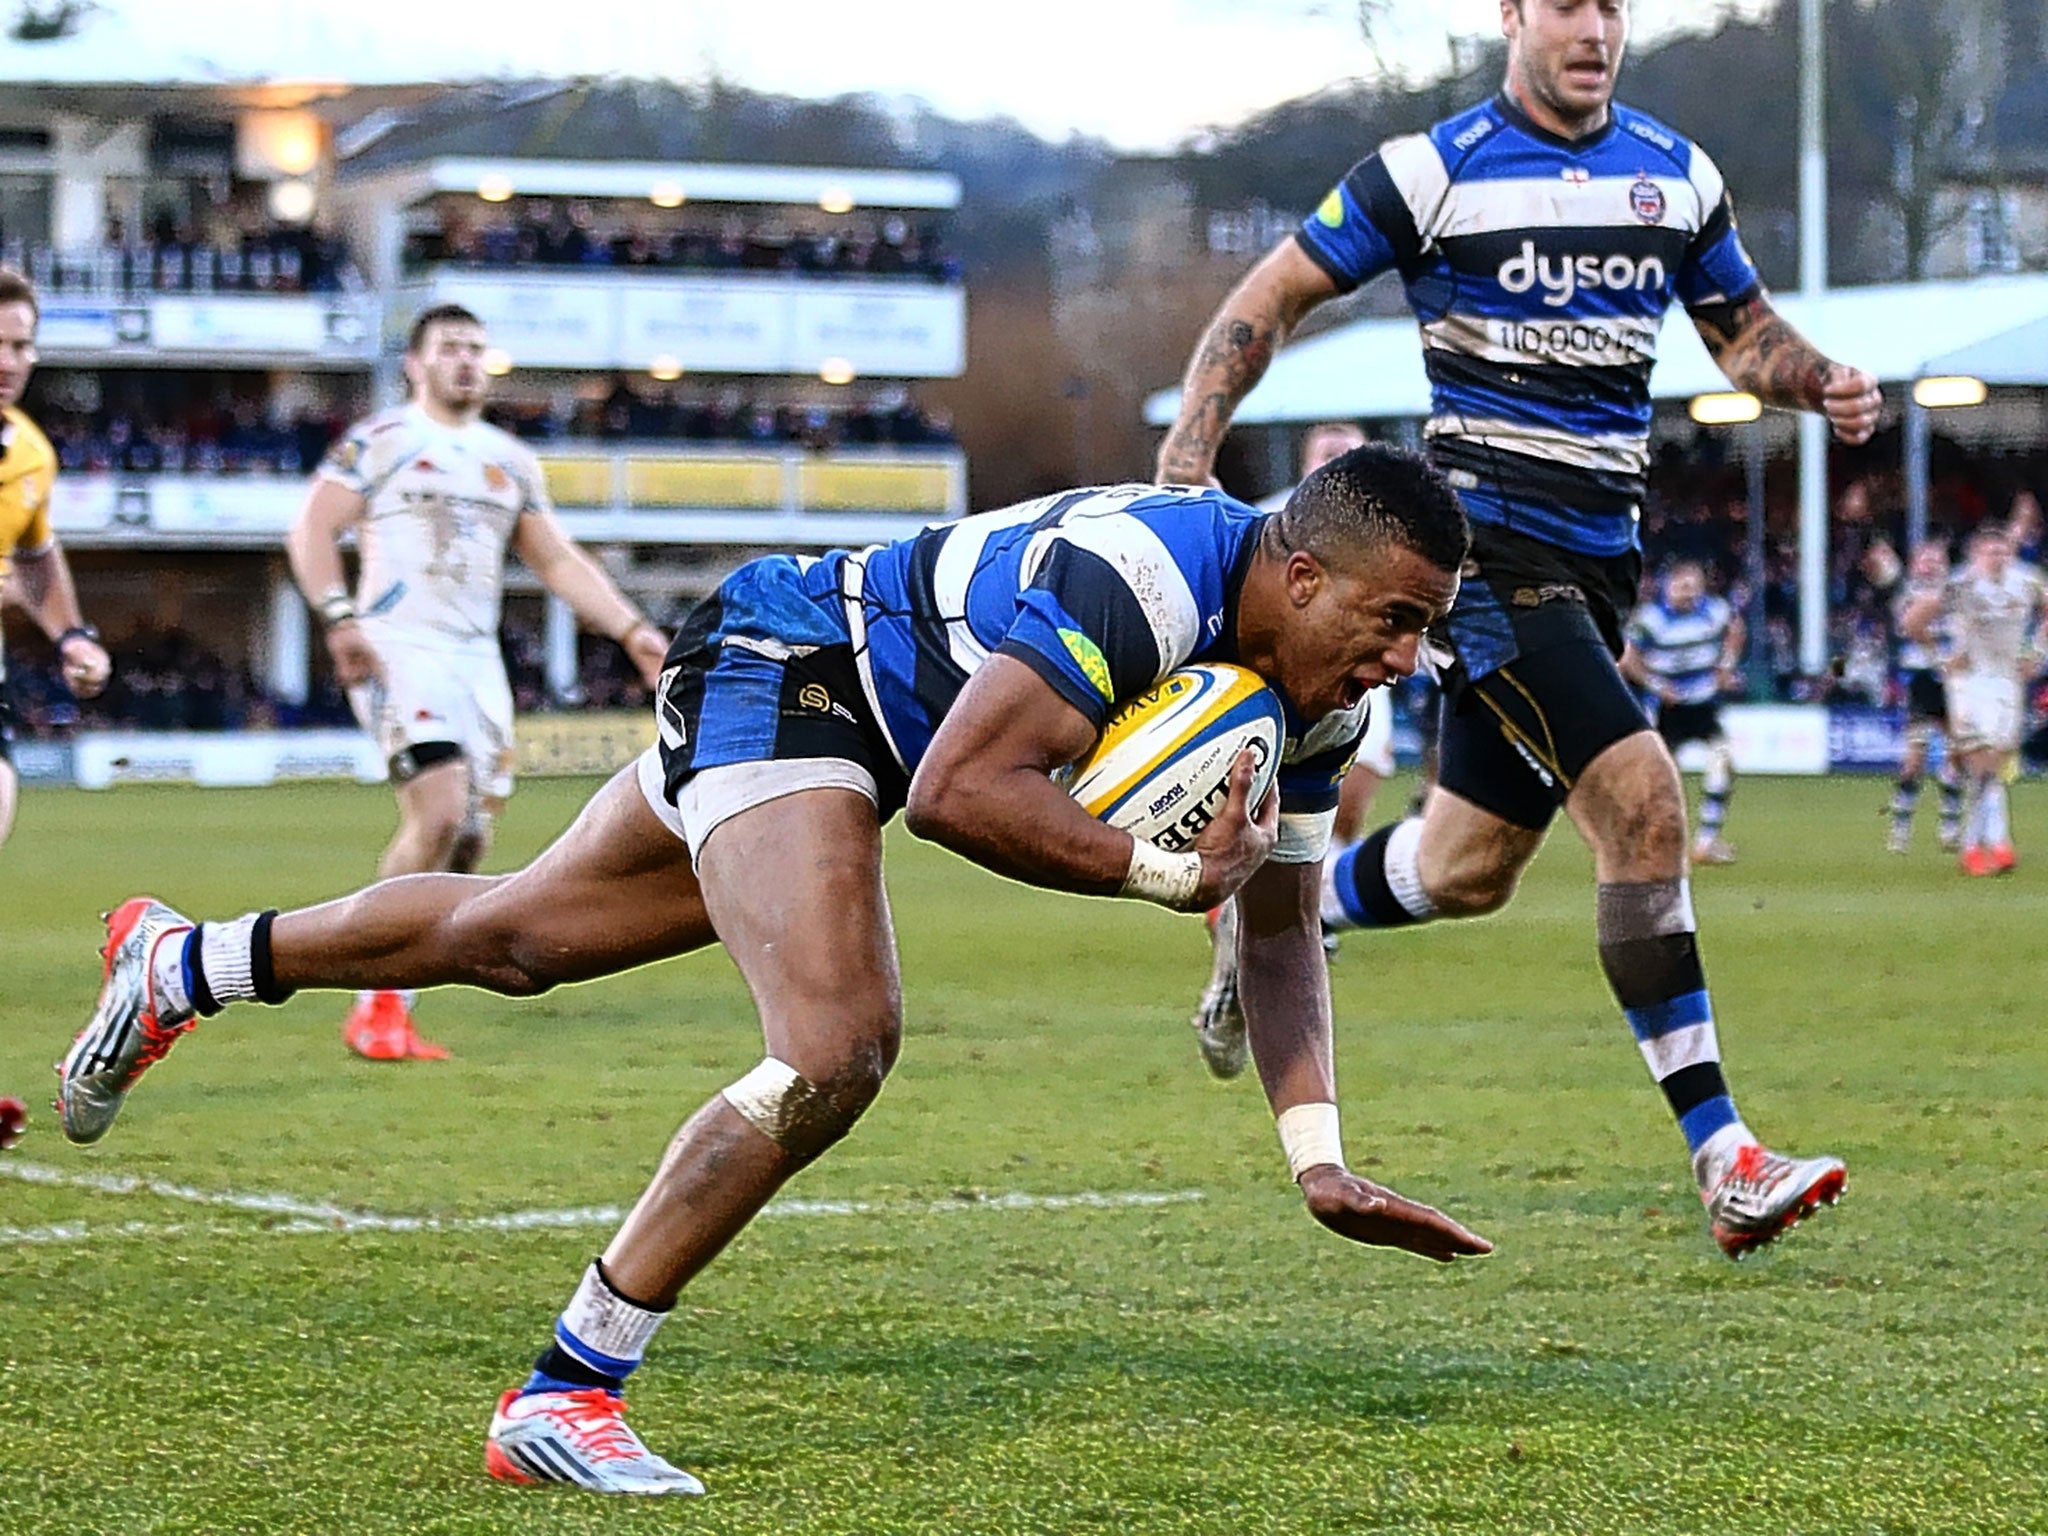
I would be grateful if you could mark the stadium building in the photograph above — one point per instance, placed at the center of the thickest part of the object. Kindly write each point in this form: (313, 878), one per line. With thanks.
(711, 357)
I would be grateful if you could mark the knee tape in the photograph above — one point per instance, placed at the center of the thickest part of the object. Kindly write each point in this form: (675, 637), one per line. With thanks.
(792, 1111)
(1648, 909)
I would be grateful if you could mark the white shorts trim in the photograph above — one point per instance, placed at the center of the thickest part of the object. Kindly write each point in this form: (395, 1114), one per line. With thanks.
(713, 796)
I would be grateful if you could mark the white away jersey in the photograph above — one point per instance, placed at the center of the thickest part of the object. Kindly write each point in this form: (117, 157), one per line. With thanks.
(442, 506)
(1990, 622)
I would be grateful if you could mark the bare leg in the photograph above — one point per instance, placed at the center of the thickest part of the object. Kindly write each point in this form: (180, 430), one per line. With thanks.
(614, 891)
(1629, 806)
(795, 887)
(1469, 859)
(431, 810)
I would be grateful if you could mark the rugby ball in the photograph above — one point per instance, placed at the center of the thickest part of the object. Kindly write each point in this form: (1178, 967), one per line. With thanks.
(1161, 769)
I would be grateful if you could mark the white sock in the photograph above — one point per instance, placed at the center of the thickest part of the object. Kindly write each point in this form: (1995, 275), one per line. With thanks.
(603, 1329)
(1404, 873)
(226, 956)
(1997, 824)
(406, 996)
(167, 983)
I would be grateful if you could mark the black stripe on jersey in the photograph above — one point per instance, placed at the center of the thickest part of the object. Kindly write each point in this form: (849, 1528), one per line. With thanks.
(1717, 224)
(1372, 187)
(1543, 385)
(1098, 599)
(1600, 492)
(1484, 254)
(1344, 281)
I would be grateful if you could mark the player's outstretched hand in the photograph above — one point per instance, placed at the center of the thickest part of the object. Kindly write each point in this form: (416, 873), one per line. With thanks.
(1236, 843)
(355, 659)
(1851, 402)
(1364, 1212)
(646, 647)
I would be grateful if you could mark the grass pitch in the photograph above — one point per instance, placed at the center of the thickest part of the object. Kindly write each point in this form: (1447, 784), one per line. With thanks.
(920, 1362)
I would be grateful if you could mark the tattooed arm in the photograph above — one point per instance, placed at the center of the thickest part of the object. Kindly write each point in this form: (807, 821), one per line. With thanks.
(1761, 352)
(1240, 341)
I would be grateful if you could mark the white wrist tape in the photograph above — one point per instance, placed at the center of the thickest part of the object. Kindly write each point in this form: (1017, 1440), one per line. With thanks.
(1170, 879)
(1309, 1136)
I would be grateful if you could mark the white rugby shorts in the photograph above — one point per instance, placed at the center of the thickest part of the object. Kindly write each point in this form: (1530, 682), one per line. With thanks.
(710, 797)
(436, 693)
(1984, 713)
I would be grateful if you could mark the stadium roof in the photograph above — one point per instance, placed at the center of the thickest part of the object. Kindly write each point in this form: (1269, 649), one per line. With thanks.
(1372, 369)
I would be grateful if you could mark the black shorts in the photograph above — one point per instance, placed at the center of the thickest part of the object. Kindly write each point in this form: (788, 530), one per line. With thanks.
(8, 723)
(1926, 698)
(1680, 723)
(723, 703)
(1534, 694)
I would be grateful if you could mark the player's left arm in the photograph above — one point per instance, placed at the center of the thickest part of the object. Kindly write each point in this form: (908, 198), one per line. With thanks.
(567, 570)
(1284, 981)
(1728, 666)
(43, 587)
(1760, 351)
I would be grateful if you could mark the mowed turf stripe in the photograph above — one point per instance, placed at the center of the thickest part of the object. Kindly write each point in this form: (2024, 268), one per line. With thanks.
(311, 1217)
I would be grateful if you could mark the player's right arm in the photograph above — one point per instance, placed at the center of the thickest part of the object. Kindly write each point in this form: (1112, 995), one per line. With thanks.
(983, 789)
(314, 548)
(1918, 615)
(1271, 300)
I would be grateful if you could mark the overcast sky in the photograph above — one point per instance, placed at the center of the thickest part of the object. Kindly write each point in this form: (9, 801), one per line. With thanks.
(1141, 73)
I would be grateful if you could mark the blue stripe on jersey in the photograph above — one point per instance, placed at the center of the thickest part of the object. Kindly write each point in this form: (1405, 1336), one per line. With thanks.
(1490, 218)
(1683, 650)
(1545, 518)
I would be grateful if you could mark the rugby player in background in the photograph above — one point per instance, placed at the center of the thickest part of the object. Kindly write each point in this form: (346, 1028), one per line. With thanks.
(1685, 649)
(803, 704)
(1542, 235)
(434, 495)
(33, 572)
(1991, 612)
(1926, 696)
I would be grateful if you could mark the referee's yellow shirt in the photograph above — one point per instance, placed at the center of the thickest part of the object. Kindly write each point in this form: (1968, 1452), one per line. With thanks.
(28, 468)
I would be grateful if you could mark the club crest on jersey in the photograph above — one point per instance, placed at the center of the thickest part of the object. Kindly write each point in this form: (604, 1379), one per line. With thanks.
(1647, 199)
(496, 478)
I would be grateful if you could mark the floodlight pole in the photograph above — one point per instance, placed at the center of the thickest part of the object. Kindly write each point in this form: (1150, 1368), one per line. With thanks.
(1813, 281)
(1759, 668)
(1918, 432)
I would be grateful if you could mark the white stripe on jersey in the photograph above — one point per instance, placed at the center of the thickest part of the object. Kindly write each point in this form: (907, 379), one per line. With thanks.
(1146, 566)
(1551, 202)
(1613, 452)
(1607, 342)
(1418, 174)
(959, 558)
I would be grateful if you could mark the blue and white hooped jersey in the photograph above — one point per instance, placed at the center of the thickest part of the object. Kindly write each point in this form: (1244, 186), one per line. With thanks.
(1683, 649)
(1540, 271)
(1101, 592)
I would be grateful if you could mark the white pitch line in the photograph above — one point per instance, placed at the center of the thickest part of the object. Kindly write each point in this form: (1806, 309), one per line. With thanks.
(318, 1216)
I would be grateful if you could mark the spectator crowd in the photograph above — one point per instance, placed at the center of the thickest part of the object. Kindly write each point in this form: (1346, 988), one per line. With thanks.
(573, 233)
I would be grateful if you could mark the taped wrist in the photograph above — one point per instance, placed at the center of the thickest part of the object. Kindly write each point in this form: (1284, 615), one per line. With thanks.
(1170, 879)
(1310, 1137)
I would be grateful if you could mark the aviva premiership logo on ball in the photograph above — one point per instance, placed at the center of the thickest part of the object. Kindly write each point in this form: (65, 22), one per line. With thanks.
(1161, 770)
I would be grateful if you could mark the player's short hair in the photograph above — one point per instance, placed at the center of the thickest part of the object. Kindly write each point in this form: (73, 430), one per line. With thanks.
(1368, 498)
(437, 314)
(16, 289)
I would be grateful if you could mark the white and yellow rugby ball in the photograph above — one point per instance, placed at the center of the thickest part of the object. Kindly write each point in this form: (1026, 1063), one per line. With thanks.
(1161, 769)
